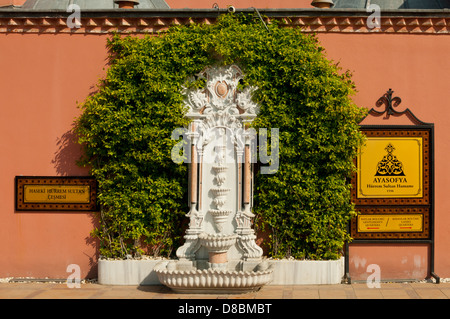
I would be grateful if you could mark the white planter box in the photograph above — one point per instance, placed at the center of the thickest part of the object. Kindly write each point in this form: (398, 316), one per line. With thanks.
(308, 272)
(127, 272)
(286, 272)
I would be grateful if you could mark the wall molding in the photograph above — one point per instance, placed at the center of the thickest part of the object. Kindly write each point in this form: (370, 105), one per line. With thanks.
(155, 21)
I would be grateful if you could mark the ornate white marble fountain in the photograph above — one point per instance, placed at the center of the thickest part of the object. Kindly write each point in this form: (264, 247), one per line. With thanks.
(220, 253)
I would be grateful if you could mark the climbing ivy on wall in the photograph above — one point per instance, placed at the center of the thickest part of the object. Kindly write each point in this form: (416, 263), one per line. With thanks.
(126, 127)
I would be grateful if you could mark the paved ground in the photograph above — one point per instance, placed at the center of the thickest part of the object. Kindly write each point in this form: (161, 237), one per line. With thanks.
(417, 290)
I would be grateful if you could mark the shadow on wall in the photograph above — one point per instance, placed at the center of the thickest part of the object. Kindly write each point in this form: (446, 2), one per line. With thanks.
(68, 152)
(94, 243)
(66, 156)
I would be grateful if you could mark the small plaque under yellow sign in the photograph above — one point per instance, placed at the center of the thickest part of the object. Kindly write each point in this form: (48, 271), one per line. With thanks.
(56, 194)
(390, 223)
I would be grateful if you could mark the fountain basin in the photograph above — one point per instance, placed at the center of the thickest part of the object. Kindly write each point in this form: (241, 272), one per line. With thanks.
(217, 243)
(220, 216)
(212, 280)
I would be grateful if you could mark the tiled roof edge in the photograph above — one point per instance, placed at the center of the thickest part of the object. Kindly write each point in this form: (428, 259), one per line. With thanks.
(152, 20)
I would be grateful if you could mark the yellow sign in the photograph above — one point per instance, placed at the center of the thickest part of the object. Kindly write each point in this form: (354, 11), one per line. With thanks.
(52, 194)
(390, 167)
(390, 223)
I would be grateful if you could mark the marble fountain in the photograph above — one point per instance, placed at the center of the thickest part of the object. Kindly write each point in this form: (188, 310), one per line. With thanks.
(219, 254)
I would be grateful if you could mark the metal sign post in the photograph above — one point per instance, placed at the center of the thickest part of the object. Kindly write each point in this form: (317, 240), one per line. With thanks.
(393, 188)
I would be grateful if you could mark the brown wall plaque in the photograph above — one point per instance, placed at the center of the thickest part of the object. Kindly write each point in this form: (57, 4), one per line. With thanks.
(392, 186)
(44, 193)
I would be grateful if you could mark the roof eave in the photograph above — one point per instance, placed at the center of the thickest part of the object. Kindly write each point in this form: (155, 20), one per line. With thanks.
(210, 13)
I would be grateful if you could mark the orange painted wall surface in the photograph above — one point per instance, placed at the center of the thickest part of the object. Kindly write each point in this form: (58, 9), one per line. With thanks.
(43, 76)
(416, 67)
(11, 2)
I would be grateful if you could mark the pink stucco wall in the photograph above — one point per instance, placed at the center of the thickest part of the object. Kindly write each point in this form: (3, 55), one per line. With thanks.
(11, 2)
(417, 69)
(42, 77)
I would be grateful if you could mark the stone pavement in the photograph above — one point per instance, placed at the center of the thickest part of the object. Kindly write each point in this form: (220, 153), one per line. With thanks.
(411, 290)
